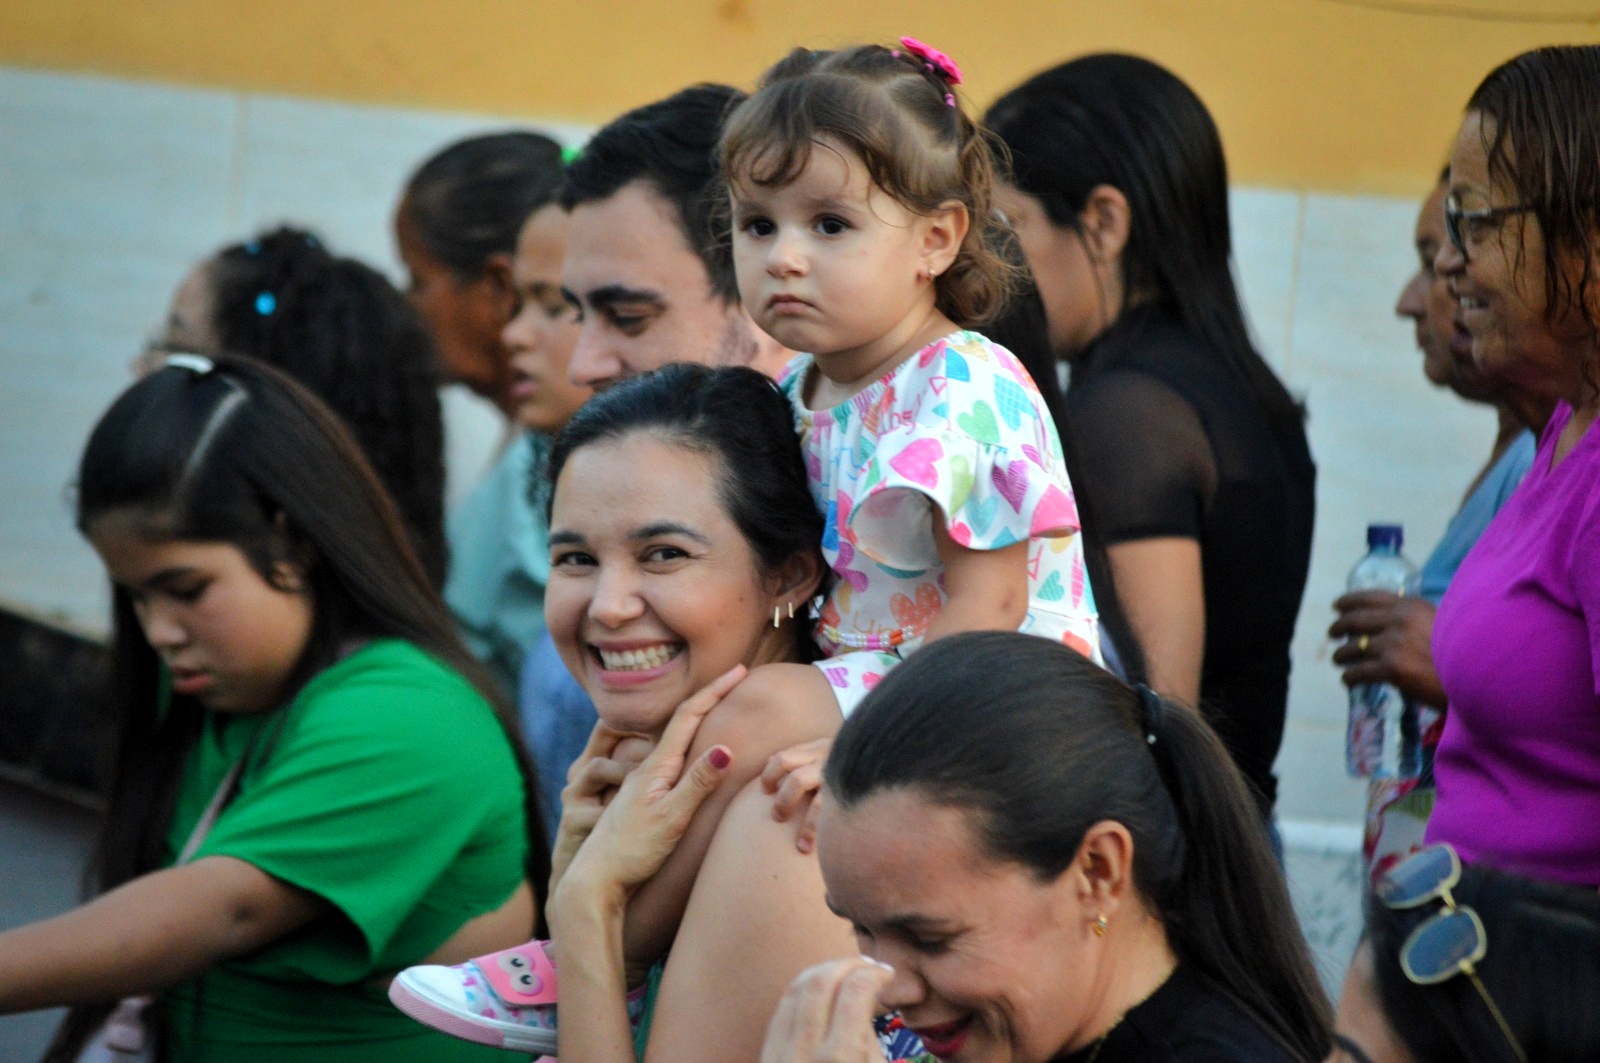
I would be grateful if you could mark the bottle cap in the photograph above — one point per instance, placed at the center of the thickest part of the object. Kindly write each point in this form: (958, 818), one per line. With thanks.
(1390, 535)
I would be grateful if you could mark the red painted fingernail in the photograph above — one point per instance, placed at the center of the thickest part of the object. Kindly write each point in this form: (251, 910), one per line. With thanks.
(720, 758)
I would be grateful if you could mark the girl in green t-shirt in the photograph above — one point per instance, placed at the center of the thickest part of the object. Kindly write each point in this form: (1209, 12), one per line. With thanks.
(282, 666)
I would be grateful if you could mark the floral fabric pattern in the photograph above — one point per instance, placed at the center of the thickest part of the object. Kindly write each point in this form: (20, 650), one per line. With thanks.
(956, 433)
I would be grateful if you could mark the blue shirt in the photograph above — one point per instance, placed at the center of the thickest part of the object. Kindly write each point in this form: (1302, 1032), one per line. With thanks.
(500, 558)
(557, 717)
(1475, 514)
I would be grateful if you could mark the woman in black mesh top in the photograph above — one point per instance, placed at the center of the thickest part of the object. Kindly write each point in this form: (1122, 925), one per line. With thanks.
(1190, 453)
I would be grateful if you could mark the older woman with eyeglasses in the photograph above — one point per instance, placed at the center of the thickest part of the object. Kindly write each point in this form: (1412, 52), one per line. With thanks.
(1517, 638)
(1463, 964)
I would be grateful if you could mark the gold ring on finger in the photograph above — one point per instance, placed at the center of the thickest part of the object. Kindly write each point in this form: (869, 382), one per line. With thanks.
(1362, 643)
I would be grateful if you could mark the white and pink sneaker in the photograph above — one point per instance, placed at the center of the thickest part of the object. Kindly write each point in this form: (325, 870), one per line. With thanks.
(506, 999)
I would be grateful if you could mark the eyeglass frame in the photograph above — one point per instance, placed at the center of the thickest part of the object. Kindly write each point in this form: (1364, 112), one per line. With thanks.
(1440, 892)
(1454, 216)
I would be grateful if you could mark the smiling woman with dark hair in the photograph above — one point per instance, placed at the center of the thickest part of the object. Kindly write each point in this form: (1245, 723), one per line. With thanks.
(683, 544)
(1517, 637)
(1083, 876)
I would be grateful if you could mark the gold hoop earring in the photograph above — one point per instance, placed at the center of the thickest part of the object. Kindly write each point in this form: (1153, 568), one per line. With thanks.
(1100, 925)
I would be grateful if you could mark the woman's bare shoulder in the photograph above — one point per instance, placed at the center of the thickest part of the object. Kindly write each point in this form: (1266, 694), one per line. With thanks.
(774, 707)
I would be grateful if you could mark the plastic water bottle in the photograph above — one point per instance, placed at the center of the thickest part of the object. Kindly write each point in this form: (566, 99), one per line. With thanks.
(1384, 739)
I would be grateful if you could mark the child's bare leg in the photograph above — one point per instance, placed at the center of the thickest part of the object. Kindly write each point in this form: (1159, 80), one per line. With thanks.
(775, 707)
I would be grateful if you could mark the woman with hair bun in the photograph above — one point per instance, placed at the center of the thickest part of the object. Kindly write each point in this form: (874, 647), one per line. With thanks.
(341, 329)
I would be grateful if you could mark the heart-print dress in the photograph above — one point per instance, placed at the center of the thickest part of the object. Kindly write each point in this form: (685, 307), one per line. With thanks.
(956, 433)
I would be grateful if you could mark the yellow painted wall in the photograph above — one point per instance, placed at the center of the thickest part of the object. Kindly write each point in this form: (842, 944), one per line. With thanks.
(1344, 95)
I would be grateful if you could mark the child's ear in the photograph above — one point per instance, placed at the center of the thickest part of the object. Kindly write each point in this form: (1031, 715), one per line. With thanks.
(946, 228)
(1106, 221)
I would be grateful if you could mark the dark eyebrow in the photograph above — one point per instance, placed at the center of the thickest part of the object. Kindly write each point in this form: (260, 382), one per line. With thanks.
(904, 923)
(563, 537)
(165, 577)
(612, 294)
(668, 527)
(917, 924)
(830, 203)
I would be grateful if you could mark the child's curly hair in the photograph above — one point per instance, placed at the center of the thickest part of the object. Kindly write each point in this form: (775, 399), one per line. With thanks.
(900, 118)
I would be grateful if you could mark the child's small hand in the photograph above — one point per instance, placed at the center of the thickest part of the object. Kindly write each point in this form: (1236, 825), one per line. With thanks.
(793, 776)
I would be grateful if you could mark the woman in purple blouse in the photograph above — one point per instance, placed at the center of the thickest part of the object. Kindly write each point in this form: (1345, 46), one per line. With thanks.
(1517, 639)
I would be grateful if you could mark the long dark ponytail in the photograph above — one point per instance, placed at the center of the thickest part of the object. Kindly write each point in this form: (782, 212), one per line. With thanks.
(1049, 745)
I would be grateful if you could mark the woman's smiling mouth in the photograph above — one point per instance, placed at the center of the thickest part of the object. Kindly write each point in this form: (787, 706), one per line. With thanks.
(947, 1038)
(637, 659)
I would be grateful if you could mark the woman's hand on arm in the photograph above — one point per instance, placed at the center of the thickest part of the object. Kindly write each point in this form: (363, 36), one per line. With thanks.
(626, 845)
(154, 932)
(826, 1015)
(592, 781)
(987, 590)
(1162, 591)
(774, 708)
(1388, 639)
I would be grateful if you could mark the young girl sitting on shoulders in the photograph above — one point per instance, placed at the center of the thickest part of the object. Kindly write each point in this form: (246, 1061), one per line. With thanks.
(863, 234)
(313, 785)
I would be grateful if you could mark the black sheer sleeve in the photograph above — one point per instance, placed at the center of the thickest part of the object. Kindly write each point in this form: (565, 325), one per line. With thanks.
(1146, 463)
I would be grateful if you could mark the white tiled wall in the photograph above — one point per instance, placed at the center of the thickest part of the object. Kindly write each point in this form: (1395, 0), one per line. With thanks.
(110, 190)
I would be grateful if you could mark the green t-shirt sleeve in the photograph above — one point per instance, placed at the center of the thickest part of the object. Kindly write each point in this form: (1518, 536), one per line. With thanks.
(392, 793)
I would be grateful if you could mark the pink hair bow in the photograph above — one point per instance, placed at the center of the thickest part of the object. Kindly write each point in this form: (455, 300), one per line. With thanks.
(936, 60)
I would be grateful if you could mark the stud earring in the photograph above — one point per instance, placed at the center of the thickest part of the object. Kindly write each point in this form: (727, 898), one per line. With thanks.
(776, 621)
(1100, 925)
(791, 610)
